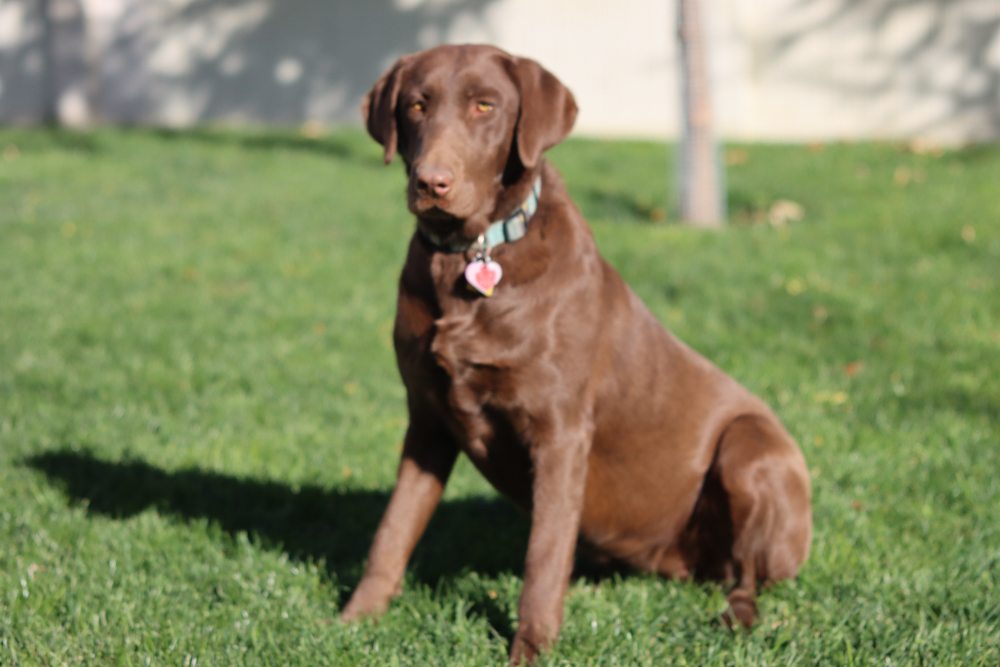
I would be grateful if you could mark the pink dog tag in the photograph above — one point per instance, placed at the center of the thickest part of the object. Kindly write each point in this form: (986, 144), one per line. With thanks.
(483, 276)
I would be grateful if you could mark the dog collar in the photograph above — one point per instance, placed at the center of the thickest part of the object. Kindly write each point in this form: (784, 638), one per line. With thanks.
(507, 230)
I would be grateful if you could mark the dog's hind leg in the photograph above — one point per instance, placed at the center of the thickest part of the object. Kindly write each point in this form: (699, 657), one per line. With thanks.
(764, 476)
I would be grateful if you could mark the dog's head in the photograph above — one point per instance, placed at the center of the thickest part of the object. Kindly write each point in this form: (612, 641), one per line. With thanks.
(469, 122)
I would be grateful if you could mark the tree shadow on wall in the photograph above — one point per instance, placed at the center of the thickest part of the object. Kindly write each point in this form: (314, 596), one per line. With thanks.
(485, 535)
(267, 60)
(176, 63)
(941, 52)
(43, 61)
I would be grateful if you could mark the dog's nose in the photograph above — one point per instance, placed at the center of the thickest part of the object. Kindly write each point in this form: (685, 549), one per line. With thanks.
(434, 181)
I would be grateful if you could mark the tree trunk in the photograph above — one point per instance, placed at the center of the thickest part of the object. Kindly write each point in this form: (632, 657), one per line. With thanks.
(701, 200)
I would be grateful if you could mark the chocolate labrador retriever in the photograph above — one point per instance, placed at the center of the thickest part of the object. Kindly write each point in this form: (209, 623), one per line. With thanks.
(523, 348)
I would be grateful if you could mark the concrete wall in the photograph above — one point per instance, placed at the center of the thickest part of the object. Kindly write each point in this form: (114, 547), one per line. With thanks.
(783, 69)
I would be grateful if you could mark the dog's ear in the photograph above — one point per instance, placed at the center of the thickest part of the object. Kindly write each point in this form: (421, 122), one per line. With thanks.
(379, 107)
(548, 110)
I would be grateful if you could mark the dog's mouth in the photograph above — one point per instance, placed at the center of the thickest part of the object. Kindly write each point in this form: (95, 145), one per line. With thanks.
(452, 208)
(433, 208)
(462, 212)
(446, 224)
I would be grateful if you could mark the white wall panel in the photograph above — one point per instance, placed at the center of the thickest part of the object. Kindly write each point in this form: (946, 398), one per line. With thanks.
(783, 69)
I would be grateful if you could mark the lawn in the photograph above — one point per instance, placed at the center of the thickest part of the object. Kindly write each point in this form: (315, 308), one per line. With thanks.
(200, 413)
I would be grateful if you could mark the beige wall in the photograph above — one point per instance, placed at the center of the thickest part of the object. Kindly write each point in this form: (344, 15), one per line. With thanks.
(783, 69)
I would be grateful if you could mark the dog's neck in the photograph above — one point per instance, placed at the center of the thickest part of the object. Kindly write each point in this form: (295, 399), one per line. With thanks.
(506, 230)
(515, 205)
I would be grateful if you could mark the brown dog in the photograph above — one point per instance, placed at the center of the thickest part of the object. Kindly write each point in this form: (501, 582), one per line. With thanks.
(561, 387)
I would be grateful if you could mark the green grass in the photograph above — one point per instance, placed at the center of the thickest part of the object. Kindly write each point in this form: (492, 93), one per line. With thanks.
(200, 413)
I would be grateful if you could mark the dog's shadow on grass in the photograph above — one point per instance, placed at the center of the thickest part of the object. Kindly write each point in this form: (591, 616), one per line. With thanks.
(480, 534)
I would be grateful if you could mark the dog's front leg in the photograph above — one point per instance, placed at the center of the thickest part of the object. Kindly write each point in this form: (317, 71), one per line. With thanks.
(428, 456)
(560, 475)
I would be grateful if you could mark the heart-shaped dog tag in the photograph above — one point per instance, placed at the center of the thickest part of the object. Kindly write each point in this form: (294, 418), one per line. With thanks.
(483, 276)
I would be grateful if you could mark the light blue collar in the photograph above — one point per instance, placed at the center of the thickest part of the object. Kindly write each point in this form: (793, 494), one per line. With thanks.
(502, 231)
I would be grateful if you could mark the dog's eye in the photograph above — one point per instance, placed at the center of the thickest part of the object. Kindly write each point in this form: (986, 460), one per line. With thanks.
(483, 107)
(419, 106)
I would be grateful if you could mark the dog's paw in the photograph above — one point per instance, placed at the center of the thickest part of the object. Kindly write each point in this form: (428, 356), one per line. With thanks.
(355, 613)
(742, 609)
(364, 604)
(528, 642)
(523, 651)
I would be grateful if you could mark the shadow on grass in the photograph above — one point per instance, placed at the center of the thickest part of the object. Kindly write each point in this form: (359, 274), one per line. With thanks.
(484, 535)
(599, 203)
(746, 208)
(334, 146)
(975, 153)
(38, 139)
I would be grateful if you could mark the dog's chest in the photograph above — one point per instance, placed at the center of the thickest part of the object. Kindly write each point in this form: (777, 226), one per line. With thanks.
(472, 363)
(481, 386)
(482, 400)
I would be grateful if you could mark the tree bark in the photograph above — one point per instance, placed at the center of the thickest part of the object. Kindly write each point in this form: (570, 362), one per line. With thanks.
(701, 201)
